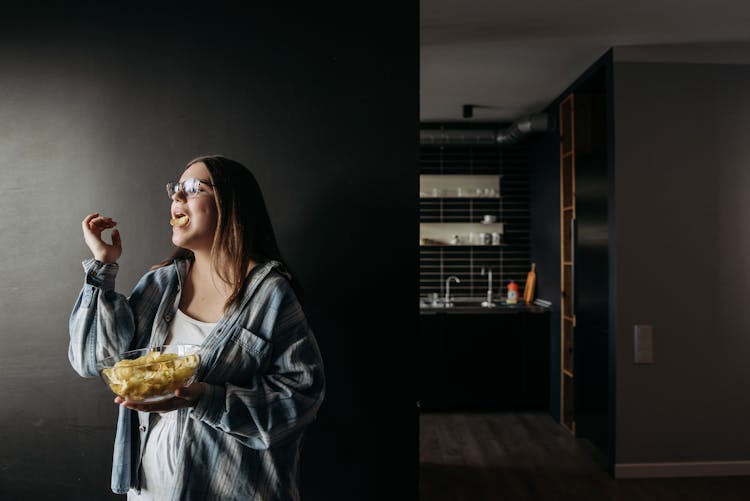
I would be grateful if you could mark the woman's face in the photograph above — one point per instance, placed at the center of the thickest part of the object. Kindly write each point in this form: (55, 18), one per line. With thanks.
(200, 208)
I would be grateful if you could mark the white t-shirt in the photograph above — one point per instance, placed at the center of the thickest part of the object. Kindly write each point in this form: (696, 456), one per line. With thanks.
(157, 468)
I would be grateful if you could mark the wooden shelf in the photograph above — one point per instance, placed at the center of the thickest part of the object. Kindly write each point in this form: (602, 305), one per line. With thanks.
(567, 214)
(471, 186)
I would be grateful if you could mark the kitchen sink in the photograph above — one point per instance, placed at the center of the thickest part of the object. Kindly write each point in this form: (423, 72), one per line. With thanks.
(469, 300)
(456, 302)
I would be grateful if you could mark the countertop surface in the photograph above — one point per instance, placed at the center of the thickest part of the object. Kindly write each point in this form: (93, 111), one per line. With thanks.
(472, 307)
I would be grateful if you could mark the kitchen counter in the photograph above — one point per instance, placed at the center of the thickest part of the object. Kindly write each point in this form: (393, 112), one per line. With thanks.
(475, 358)
(476, 309)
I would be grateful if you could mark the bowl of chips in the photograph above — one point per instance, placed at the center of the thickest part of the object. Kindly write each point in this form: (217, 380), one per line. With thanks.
(150, 374)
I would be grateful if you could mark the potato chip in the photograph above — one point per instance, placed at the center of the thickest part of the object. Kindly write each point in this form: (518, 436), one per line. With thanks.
(179, 221)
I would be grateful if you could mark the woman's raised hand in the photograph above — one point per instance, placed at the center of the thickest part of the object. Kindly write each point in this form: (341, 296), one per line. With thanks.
(93, 225)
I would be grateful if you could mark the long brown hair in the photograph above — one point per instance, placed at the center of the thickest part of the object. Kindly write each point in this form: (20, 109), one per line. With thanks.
(243, 231)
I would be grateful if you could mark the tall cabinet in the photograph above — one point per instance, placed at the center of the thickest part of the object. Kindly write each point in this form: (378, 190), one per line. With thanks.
(585, 344)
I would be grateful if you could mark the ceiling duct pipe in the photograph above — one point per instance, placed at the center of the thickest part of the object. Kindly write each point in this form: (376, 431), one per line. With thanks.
(522, 127)
(457, 136)
(511, 134)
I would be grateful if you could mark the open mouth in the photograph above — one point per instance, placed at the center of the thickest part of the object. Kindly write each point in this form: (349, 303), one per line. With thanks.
(179, 220)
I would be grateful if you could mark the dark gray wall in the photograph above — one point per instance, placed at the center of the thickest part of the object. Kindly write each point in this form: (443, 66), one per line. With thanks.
(98, 110)
(683, 256)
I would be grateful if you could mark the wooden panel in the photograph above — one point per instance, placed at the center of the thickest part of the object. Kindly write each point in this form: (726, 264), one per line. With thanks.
(567, 217)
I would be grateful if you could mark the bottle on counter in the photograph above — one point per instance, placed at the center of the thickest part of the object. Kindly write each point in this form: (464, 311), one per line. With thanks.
(512, 293)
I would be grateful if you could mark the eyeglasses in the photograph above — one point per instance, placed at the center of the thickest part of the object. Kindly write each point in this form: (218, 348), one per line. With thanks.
(190, 187)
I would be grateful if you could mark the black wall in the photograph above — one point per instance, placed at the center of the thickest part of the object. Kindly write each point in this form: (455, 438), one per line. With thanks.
(99, 108)
(508, 262)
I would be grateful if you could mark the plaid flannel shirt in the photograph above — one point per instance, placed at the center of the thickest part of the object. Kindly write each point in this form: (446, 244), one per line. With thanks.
(263, 370)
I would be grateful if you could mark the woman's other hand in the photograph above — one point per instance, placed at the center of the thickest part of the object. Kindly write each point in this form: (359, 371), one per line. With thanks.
(93, 225)
(186, 396)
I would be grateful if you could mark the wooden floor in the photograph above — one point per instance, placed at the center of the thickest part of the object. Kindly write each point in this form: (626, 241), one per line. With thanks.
(509, 456)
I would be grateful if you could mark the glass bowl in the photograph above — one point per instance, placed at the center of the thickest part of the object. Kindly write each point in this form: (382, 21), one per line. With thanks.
(150, 374)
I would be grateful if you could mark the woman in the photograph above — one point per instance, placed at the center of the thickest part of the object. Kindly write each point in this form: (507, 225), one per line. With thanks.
(237, 432)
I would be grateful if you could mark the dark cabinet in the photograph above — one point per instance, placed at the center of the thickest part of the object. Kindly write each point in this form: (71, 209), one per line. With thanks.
(536, 359)
(586, 376)
(494, 361)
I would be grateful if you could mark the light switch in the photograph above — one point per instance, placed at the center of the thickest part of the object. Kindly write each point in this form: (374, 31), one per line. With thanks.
(644, 344)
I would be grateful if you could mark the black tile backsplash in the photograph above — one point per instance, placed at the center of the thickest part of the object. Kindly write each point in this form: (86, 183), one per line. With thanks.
(511, 261)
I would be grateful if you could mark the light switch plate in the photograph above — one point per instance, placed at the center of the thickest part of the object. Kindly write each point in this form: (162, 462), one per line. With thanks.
(644, 344)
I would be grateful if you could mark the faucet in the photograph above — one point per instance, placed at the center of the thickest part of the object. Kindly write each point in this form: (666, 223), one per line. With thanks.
(448, 289)
(488, 303)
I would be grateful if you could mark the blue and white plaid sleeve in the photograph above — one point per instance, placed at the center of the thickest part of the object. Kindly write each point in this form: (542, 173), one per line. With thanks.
(101, 323)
